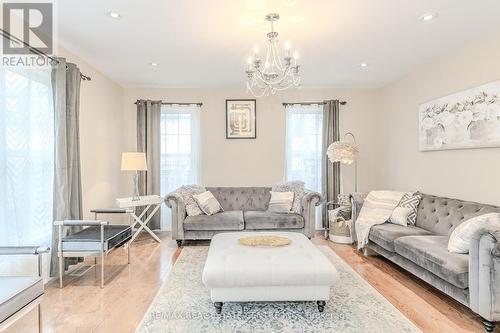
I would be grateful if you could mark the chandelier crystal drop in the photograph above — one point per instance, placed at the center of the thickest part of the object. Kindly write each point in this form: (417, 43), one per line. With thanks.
(272, 74)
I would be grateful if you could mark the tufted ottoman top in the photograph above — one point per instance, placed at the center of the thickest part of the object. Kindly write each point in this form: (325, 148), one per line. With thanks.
(230, 264)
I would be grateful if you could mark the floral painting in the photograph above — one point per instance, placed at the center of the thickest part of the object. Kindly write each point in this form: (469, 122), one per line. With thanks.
(468, 119)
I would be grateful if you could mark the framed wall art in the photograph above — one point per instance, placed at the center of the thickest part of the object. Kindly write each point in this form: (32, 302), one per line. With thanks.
(467, 119)
(241, 119)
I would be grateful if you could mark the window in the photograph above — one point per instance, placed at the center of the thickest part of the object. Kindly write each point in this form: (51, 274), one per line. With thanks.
(26, 156)
(304, 146)
(179, 151)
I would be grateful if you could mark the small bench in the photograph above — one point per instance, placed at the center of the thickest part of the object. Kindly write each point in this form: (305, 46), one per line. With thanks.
(239, 273)
(98, 239)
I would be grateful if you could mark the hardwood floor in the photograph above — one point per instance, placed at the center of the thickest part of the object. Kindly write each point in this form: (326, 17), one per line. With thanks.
(81, 306)
(429, 309)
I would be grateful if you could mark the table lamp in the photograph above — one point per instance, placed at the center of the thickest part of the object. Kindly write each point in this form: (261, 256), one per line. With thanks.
(132, 161)
(345, 152)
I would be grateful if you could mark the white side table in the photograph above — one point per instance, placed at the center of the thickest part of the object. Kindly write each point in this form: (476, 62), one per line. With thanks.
(148, 201)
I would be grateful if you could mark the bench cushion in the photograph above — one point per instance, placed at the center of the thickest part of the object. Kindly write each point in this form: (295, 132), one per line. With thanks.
(261, 220)
(385, 234)
(431, 253)
(89, 239)
(16, 292)
(230, 264)
(227, 220)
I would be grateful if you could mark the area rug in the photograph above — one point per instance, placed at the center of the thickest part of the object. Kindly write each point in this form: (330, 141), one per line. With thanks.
(183, 305)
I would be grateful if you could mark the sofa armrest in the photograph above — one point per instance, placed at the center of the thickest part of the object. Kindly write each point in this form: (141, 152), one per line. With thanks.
(26, 250)
(178, 210)
(484, 273)
(357, 200)
(22, 250)
(309, 202)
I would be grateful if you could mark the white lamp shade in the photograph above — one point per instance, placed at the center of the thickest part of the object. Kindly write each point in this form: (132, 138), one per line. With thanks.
(343, 152)
(134, 162)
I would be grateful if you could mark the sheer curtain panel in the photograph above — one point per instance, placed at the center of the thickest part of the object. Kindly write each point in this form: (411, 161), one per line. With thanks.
(26, 160)
(180, 150)
(304, 146)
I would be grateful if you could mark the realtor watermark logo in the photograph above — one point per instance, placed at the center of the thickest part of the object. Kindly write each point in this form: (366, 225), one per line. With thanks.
(27, 33)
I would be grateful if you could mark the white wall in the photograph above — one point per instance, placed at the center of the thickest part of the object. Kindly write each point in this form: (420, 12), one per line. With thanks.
(466, 174)
(260, 162)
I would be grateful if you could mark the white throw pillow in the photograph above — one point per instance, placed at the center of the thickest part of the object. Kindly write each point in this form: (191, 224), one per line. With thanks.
(400, 215)
(461, 237)
(207, 203)
(299, 190)
(281, 202)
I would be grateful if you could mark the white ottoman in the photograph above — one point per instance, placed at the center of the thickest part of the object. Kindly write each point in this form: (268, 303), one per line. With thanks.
(239, 273)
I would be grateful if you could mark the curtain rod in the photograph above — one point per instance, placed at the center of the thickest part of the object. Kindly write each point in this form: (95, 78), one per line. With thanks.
(36, 51)
(311, 103)
(178, 103)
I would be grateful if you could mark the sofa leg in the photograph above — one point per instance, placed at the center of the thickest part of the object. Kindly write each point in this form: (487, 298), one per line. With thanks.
(489, 326)
(179, 242)
(321, 306)
(218, 307)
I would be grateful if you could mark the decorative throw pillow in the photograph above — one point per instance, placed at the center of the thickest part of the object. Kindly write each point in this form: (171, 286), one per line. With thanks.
(410, 200)
(281, 202)
(207, 203)
(400, 215)
(299, 190)
(186, 192)
(461, 237)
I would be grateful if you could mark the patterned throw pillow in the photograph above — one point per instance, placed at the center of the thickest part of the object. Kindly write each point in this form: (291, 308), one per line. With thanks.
(410, 200)
(186, 192)
(299, 190)
(207, 203)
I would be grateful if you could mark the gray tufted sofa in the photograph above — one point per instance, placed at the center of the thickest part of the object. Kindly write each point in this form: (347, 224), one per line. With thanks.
(245, 208)
(473, 279)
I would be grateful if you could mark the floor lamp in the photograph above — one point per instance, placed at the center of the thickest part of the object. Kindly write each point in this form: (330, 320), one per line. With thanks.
(345, 152)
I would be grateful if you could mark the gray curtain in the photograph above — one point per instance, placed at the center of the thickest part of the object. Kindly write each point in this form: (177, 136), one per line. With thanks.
(331, 171)
(67, 203)
(148, 141)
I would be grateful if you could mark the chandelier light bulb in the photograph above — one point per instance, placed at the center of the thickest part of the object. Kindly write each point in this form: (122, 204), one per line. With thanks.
(287, 49)
(272, 72)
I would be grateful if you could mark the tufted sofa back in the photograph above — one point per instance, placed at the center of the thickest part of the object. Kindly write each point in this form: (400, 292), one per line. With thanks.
(441, 215)
(242, 198)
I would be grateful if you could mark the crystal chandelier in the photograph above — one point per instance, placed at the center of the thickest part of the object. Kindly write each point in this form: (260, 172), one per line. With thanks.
(271, 74)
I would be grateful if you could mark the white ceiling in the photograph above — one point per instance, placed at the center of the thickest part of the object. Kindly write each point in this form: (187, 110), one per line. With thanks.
(200, 43)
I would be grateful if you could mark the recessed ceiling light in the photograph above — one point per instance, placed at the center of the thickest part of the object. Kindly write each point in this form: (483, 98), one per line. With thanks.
(364, 64)
(154, 64)
(428, 17)
(114, 15)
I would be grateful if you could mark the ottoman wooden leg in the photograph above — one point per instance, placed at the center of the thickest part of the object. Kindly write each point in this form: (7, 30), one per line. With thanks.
(321, 306)
(218, 307)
